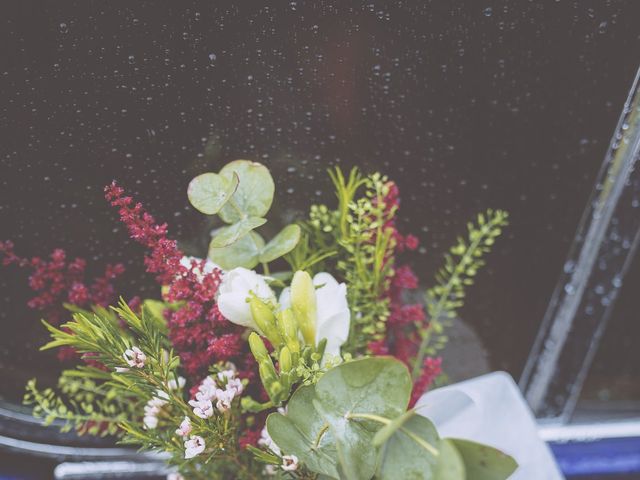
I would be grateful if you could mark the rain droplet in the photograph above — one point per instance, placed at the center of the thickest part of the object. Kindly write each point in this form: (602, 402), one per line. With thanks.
(488, 12)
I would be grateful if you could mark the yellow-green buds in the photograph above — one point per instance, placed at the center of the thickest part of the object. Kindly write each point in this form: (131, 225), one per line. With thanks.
(265, 320)
(289, 330)
(257, 348)
(303, 303)
(285, 360)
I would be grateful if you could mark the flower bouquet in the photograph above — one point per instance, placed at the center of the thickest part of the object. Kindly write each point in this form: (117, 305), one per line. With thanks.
(296, 356)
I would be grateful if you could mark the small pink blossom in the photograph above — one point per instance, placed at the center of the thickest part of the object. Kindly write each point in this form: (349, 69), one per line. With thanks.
(194, 446)
(185, 427)
(290, 463)
(202, 408)
(134, 357)
(235, 385)
(225, 397)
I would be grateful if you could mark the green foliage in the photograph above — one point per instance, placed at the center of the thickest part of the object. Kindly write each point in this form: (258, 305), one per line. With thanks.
(461, 266)
(100, 402)
(353, 425)
(352, 241)
(241, 194)
(81, 403)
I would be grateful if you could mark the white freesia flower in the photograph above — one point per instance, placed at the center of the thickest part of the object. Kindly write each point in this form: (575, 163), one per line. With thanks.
(234, 292)
(194, 446)
(333, 315)
(290, 463)
(134, 357)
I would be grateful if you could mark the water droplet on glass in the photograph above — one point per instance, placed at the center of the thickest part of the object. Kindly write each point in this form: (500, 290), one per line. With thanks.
(63, 28)
(488, 11)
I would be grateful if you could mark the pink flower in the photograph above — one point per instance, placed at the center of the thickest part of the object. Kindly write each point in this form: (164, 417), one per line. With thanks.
(134, 357)
(194, 446)
(290, 463)
(202, 408)
(185, 427)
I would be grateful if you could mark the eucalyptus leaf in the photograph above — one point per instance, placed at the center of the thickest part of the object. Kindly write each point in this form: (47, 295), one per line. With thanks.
(228, 235)
(254, 194)
(243, 253)
(209, 192)
(483, 462)
(304, 433)
(450, 465)
(404, 455)
(349, 395)
(285, 241)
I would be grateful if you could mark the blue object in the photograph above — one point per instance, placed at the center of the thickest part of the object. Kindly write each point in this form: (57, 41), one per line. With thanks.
(598, 459)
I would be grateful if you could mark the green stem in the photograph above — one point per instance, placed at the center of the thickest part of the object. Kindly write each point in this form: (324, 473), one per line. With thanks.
(438, 309)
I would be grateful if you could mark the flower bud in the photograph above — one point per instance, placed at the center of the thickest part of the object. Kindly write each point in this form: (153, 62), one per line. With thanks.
(303, 303)
(268, 373)
(265, 320)
(289, 330)
(285, 360)
(257, 348)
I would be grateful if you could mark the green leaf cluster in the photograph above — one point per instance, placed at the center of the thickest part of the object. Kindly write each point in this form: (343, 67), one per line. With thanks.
(353, 424)
(241, 194)
(353, 241)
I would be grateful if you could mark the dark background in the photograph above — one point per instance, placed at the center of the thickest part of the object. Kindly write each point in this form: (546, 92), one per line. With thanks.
(467, 105)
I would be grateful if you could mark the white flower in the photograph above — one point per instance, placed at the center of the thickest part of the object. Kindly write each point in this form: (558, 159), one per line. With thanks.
(134, 357)
(267, 441)
(207, 390)
(209, 266)
(290, 463)
(226, 375)
(174, 384)
(194, 446)
(235, 290)
(235, 385)
(185, 427)
(151, 411)
(150, 421)
(174, 476)
(333, 315)
(202, 408)
(225, 397)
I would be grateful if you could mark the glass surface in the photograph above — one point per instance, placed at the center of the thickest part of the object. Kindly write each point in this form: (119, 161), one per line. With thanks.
(466, 105)
(612, 387)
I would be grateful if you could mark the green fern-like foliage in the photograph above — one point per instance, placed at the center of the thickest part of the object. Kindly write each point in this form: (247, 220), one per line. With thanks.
(461, 265)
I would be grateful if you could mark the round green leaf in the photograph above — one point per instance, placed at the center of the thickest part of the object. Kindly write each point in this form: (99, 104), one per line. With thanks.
(281, 244)
(254, 194)
(243, 253)
(209, 192)
(404, 456)
(483, 462)
(228, 235)
(450, 465)
(304, 433)
(378, 386)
